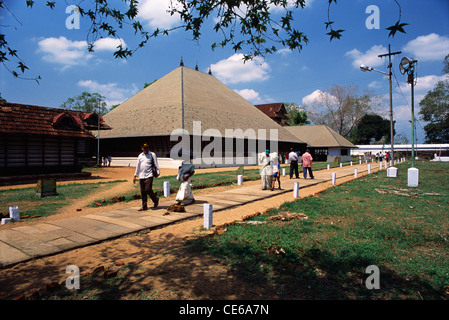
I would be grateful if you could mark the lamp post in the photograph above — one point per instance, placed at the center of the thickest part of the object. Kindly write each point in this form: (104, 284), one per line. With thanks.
(408, 66)
(364, 69)
(98, 134)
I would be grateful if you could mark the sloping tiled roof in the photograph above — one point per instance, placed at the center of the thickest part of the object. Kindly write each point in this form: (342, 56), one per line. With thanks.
(27, 119)
(158, 109)
(320, 136)
(272, 110)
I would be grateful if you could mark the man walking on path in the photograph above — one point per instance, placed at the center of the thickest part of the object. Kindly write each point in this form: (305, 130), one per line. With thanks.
(307, 164)
(144, 171)
(293, 159)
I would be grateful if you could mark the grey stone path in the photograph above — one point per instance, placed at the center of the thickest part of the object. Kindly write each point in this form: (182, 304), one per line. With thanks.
(23, 243)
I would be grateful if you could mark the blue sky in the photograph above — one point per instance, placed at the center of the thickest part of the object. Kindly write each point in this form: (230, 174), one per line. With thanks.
(59, 56)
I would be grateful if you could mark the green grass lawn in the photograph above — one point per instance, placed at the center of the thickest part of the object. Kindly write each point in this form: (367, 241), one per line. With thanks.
(349, 228)
(31, 204)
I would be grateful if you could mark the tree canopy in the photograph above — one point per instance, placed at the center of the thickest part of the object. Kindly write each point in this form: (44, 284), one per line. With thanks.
(435, 110)
(253, 27)
(86, 102)
(372, 128)
(341, 108)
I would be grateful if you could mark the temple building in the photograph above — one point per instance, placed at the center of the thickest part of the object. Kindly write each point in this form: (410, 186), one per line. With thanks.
(324, 143)
(276, 111)
(39, 140)
(191, 112)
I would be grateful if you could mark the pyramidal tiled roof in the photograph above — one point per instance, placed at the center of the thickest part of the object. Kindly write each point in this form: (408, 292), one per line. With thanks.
(320, 136)
(181, 97)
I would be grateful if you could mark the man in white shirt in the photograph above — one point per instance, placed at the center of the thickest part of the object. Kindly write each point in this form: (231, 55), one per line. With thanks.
(293, 159)
(144, 172)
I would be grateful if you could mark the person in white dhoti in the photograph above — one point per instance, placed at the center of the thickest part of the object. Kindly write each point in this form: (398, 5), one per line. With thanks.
(185, 173)
(266, 172)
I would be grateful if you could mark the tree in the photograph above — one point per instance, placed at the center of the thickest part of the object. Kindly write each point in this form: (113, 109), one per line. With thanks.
(435, 111)
(401, 138)
(86, 102)
(146, 84)
(251, 26)
(371, 128)
(341, 108)
(297, 116)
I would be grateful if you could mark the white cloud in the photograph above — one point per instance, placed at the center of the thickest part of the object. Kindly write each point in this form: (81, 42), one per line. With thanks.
(428, 48)
(111, 91)
(423, 84)
(63, 51)
(317, 96)
(156, 13)
(70, 53)
(250, 95)
(375, 84)
(284, 51)
(234, 70)
(369, 58)
(108, 44)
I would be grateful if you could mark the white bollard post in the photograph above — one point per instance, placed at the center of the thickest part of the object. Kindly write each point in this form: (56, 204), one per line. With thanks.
(239, 180)
(283, 172)
(14, 213)
(412, 177)
(296, 190)
(380, 165)
(351, 163)
(360, 161)
(334, 178)
(341, 164)
(166, 189)
(369, 168)
(207, 215)
(355, 172)
(328, 166)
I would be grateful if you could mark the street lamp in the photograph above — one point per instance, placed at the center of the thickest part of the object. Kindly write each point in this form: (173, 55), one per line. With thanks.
(407, 65)
(366, 68)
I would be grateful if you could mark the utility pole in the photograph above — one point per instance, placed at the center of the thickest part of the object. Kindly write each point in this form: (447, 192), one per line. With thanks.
(389, 54)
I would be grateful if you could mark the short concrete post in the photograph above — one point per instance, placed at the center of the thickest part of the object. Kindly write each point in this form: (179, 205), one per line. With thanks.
(369, 168)
(166, 189)
(207, 214)
(392, 172)
(283, 172)
(360, 161)
(296, 190)
(412, 177)
(239, 180)
(351, 163)
(14, 213)
(328, 167)
(341, 164)
(380, 165)
(355, 172)
(334, 178)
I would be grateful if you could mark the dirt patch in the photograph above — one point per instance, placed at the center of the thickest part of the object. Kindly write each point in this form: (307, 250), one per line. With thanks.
(288, 216)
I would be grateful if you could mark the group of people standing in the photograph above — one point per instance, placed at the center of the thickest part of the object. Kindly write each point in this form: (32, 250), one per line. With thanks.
(271, 167)
(147, 169)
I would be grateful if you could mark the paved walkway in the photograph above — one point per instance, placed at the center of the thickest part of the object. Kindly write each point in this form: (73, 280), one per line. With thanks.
(23, 243)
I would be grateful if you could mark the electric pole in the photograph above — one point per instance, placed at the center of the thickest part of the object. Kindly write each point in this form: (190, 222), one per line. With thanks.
(389, 54)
